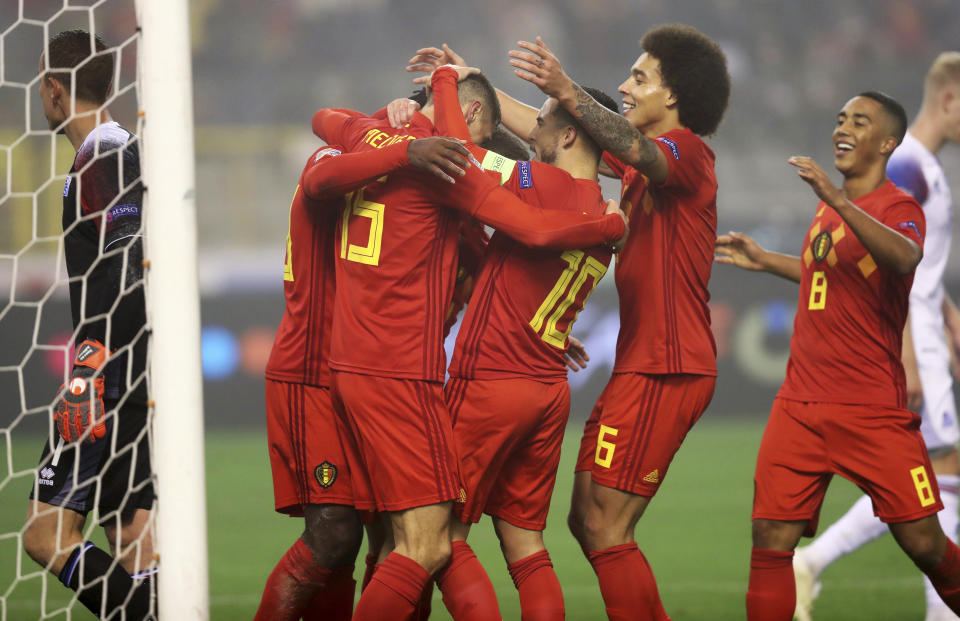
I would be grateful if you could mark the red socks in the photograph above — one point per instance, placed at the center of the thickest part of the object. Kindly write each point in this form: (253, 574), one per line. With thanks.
(394, 590)
(425, 605)
(371, 562)
(293, 583)
(627, 584)
(945, 577)
(772, 594)
(540, 596)
(467, 590)
(335, 601)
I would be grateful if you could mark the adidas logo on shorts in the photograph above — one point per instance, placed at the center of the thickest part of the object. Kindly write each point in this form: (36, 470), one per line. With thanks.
(46, 476)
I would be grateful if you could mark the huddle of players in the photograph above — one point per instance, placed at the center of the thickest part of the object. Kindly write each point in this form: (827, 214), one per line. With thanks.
(358, 416)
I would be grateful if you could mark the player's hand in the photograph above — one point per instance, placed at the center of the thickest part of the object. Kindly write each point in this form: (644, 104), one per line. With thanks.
(810, 171)
(440, 156)
(740, 250)
(462, 72)
(401, 111)
(80, 403)
(576, 356)
(614, 207)
(427, 59)
(538, 65)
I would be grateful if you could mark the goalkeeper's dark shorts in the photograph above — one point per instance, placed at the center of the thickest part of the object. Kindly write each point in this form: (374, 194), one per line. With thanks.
(112, 475)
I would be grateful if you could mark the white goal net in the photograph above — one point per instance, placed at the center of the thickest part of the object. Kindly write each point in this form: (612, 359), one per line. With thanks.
(150, 98)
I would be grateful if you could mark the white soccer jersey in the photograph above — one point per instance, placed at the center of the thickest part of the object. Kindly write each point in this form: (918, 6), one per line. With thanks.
(913, 168)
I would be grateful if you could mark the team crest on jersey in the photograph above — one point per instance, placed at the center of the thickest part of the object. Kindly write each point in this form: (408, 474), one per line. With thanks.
(821, 245)
(326, 474)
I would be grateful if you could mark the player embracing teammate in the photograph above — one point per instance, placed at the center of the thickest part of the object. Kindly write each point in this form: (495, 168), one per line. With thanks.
(665, 367)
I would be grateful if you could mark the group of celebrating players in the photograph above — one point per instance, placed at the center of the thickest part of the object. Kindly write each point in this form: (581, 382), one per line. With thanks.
(387, 244)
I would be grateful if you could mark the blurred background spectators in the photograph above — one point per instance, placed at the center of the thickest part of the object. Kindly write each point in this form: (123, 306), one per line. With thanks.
(262, 67)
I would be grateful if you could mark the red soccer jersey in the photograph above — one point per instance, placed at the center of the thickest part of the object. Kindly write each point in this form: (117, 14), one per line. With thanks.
(663, 270)
(525, 301)
(396, 250)
(848, 333)
(302, 346)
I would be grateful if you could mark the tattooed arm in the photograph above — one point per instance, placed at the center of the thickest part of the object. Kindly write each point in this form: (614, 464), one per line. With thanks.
(615, 134)
(611, 131)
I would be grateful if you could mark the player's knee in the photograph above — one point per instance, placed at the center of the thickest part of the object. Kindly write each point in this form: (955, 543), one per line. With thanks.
(333, 533)
(575, 524)
(599, 532)
(926, 552)
(39, 544)
(776, 534)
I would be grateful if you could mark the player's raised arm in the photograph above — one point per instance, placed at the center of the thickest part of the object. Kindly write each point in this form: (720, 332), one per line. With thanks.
(742, 251)
(518, 117)
(900, 252)
(536, 64)
(331, 172)
(479, 195)
(329, 124)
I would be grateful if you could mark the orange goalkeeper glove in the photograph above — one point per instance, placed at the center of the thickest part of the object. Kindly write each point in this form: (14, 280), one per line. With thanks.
(80, 406)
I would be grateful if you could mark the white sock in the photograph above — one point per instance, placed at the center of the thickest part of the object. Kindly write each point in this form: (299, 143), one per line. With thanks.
(857, 526)
(949, 521)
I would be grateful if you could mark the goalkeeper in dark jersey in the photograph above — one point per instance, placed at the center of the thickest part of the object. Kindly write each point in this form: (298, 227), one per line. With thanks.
(98, 458)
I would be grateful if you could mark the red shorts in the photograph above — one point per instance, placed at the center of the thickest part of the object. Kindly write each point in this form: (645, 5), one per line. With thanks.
(306, 455)
(400, 441)
(879, 449)
(508, 434)
(638, 425)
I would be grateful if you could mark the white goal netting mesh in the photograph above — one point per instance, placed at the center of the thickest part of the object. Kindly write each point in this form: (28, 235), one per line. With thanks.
(36, 331)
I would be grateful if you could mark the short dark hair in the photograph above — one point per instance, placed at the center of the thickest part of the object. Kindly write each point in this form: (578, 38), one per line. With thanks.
(893, 109)
(507, 144)
(603, 99)
(478, 86)
(694, 68)
(81, 62)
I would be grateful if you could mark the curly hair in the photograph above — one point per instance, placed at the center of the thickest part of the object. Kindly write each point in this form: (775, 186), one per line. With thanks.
(694, 68)
(81, 62)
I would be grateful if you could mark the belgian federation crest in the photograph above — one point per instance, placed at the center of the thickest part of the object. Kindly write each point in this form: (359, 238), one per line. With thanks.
(821, 245)
(326, 474)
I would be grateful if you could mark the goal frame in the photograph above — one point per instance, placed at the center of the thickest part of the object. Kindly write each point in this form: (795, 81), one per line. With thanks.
(173, 308)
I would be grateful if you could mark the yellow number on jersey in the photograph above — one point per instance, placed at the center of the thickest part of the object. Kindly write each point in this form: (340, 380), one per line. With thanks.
(288, 265)
(578, 274)
(818, 291)
(922, 482)
(605, 446)
(357, 206)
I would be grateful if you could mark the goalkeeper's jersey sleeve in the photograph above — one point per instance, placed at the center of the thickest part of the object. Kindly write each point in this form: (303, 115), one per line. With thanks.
(102, 204)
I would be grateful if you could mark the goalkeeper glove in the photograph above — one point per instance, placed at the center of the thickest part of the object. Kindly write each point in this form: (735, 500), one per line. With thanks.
(80, 405)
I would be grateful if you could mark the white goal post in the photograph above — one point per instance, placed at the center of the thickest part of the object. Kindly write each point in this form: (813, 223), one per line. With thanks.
(173, 308)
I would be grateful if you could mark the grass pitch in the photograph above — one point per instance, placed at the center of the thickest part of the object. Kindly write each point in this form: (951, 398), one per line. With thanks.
(696, 535)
